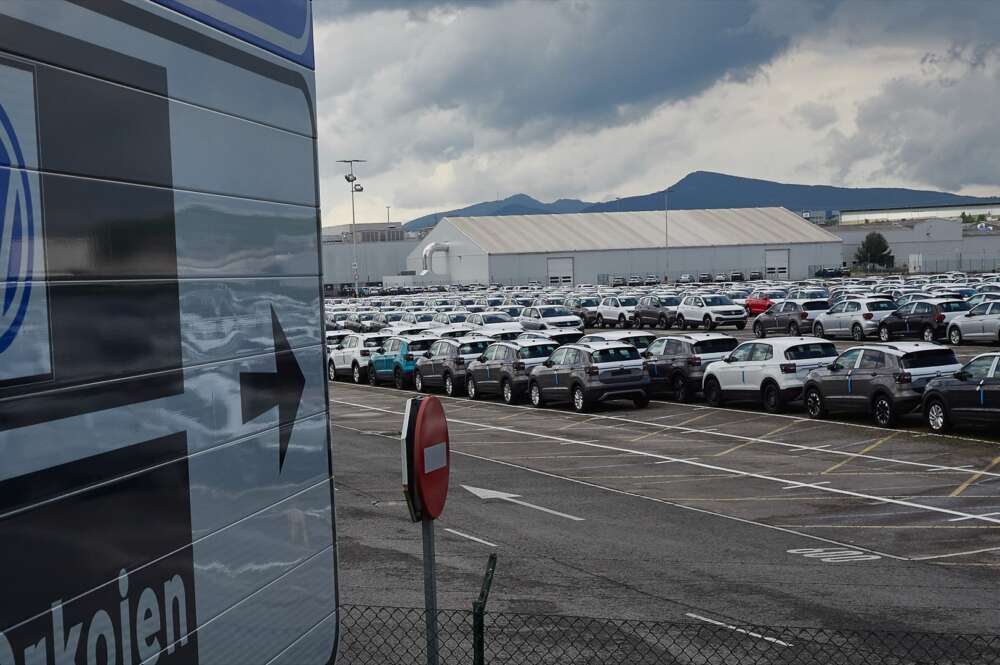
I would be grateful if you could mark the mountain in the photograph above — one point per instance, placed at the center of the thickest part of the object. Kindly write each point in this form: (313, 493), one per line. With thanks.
(519, 204)
(704, 189)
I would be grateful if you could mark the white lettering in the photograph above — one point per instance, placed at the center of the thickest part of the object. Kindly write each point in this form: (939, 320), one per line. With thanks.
(6, 652)
(175, 594)
(147, 616)
(101, 630)
(63, 645)
(125, 620)
(35, 654)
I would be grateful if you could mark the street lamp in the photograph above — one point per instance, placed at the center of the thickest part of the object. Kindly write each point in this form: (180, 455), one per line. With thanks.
(666, 233)
(352, 182)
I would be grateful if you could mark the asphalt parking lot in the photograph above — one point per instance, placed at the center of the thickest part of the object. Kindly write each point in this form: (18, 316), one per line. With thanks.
(681, 511)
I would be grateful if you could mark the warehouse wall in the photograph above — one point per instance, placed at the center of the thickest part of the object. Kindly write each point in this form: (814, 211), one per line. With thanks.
(375, 260)
(464, 263)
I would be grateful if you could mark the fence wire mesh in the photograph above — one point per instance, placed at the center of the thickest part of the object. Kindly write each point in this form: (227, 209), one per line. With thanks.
(391, 636)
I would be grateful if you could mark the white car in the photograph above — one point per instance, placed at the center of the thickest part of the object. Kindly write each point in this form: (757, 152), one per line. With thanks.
(710, 311)
(549, 317)
(771, 371)
(493, 321)
(637, 338)
(353, 354)
(455, 330)
(616, 310)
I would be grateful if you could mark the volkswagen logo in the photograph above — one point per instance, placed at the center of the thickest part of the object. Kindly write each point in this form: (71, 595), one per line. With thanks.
(17, 235)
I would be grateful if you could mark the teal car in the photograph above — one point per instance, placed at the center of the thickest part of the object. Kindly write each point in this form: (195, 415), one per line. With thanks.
(396, 360)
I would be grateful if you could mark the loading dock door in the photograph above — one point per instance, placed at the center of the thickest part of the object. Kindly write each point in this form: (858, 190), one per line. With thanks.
(560, 271)
(776, 263)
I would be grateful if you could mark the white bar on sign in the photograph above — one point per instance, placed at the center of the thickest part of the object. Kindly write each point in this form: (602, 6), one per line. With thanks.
(435, 457)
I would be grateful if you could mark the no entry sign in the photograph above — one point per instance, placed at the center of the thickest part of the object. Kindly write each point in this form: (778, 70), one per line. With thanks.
(426, 457)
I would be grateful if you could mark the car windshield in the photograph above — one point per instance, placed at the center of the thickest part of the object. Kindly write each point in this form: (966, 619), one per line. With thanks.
(809, 351)
(421, 318)
(815, 305)
(773, 295)
(537, 351)
(713, 301)
(589, 302)
(374, 342)
(617, 354)
(471, 348)
(554, 311)
(368, 316)
(496, 318)
(882, 306)
(421, 344)
(640, 341)
(458, 318)
(929, 358)
(628, 302)
(395, 316)
(718, 345)
(670, 301)
(955, 306)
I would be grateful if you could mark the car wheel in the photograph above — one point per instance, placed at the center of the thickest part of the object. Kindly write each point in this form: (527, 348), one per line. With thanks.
(622, 321)
(681, 390)
(449, 385)
(708, 322)
(331, 372)
(356, 374)
(937, 416)
(641, 402)
(471, 389)
(507, 391)
(637, 322)
(815, 406)
(397, 379)
(883, 411)
(857, 333)
(580, 403)
(663, 323)
(681, 323)
(535, 395)
(758, 329)
(372, 376)
(818, 330)
(955, 335)
(927, 334)
(793, 329)
(741, 325)
(773, 400)
(599, 322)
(884, 335)
(713, 392)
(418, 381)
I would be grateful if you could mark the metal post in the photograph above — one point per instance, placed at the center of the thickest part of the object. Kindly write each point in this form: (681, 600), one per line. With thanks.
(430, 592)
(479, 614)
(354, 239)
(666, 233)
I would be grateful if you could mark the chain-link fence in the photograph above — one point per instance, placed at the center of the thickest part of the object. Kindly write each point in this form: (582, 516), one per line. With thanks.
(391, 636)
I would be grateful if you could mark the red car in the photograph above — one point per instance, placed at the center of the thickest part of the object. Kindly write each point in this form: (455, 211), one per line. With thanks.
(759, 301)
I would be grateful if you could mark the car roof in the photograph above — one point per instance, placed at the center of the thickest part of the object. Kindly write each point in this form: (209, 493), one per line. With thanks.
(416, 336)
(939, 301)
(699, 337)
(619, 334)
(900, 348)
(597, 346)
(786, 342)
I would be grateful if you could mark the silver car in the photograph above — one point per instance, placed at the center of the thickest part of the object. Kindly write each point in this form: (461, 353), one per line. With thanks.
(981, 323)
(856, 319)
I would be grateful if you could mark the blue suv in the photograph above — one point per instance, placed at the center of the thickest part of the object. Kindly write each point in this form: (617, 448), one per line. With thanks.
(397, 359)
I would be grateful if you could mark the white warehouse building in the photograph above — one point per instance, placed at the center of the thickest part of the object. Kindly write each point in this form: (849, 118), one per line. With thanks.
(591, 247)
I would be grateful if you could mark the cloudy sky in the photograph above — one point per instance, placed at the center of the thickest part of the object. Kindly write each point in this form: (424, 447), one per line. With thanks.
(457, 102)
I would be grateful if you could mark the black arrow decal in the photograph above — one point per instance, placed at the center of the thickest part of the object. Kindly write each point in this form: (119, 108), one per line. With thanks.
(262, 391)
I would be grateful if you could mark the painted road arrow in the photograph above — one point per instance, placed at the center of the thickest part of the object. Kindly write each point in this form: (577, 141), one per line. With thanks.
(515, 498)
(262, 391)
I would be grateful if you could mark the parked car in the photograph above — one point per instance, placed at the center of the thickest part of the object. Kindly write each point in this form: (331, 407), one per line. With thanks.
(616, 310)
(513, 311)
(686, 278)
(557, 335)
(705, 277)
(677, 362)
(924, 319)
(982, 297)
(450, 318)
(362, 322)
(710, 311)
(397, 359)
(636, 338)
(444, 364)
(585, 374)
(970, 395)
(489, 321)
(761, 300)
(770, 371)
(456, 330)
(334, 337)
(352, 356)
(883, 380)
(789, 317)
(505, 368)
(736, 276)
(549, 316)
(856, 319)
(755, 275)
(584, 307)
(659, 311)
(979, 324)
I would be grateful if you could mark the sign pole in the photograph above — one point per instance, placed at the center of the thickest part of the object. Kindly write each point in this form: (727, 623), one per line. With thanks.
(430, 592)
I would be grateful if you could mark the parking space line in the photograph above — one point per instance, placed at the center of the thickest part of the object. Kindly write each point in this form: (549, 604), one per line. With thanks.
(645, 436)
(964, 486)
(962, 519)
(691, 420)
(749, 633)
(712, 467)
(955, 554)
(863, 452)
(465, 535)
(747, 443)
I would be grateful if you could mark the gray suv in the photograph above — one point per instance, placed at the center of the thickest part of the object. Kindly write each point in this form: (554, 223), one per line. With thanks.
(505, 368)
(444, 364)
(584, 374)
(884, 380)
(677, 362)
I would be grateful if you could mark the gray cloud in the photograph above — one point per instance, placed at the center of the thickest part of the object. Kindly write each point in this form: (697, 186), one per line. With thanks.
(816, 115)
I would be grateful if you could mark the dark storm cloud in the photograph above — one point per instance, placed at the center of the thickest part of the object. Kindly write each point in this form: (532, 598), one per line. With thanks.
(333, 10)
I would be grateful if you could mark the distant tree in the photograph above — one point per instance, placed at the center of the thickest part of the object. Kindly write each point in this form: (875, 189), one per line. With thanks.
(874, 249)
(965, 218)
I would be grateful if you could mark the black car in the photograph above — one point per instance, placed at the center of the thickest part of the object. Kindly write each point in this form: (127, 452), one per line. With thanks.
(705, 277)
(755, 275)
(444, 364)
(884, 380)
(505, 368)
(970, 395)
(923, 319)
(677, 362)
(789, 317)
(659, 311)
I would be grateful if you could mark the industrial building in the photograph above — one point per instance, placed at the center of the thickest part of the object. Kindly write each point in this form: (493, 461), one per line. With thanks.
(590, 247)
(866, 216)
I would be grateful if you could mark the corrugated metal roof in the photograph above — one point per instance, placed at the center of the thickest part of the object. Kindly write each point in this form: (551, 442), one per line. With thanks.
(514, 234)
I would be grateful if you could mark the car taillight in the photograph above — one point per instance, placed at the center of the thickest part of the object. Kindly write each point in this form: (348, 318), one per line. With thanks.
(904, 377)
(593, 371)
(518, 366)
(408, 357)
(803, 315)
(365, 352)
(694, 361)
(788, 368)
(939, 317)
(868, 316)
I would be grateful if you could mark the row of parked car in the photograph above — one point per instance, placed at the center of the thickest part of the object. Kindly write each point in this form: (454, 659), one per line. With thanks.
(884, 380)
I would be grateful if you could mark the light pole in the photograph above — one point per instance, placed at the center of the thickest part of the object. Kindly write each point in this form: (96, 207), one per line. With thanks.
(387, 221)
(355, 187)
(666, 233)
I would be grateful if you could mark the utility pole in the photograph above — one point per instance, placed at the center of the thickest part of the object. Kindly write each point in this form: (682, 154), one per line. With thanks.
(355, 187)
(666, 232)
(387, 215)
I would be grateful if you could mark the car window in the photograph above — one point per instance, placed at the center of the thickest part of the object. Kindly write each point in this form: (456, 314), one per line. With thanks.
(491, 352)
(670, 302)
(955, 306)
(559, 357)
(810, 351)
(761, 352)
(627, 302)
(742, 353)
(907, 309)
(995, 308)
(495, 318)
(872, 360)
(979, 368)
(717, 345)
(617, 354)
(838, 308)
(673, 347)
(418, 345)
(922, 308)
(849, 359)
(816, 305)
(554, 311)
(852, 306)
(470, 348)
(979, 310)
(640, 341)
(438, 349)
(657, 347)
(881, 306)
(537, 351)
(929, 358)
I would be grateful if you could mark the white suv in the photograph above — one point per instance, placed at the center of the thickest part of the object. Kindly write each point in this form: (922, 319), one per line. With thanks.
(616, 310)
(710, 311)
(771, 371)
(352, 355)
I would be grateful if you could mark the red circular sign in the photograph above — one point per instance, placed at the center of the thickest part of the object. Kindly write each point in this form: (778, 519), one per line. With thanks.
(431, 456)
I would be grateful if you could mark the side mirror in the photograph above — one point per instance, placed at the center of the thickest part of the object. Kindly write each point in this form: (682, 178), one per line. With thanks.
(647, 354)
(548, 363)
(729, 359)
(481, 358)
(971, 314)
(961, 375)
(427, 354)
(380, 349)
(340, 347)
(834, 367)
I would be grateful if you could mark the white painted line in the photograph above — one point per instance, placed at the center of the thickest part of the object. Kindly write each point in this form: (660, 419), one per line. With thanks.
(794, 486)
(465, 535)
(671, 461)
(966, 467)
(954, 554)
(486, 494)
(773, 640)
(962, 519)
(714, 467)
